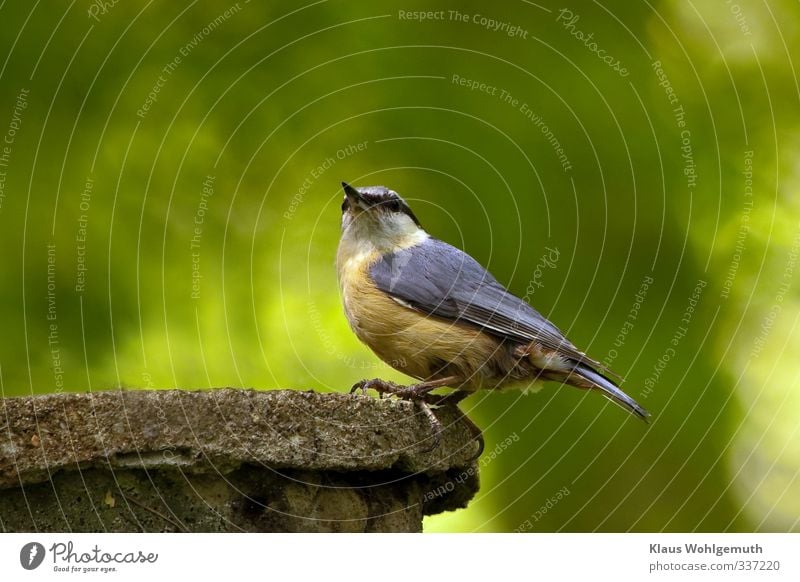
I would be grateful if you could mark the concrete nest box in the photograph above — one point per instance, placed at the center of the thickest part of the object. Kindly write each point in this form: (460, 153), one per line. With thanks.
(227, 460)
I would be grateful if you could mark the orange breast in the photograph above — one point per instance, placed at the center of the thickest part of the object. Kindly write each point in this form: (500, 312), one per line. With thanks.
(410, 341)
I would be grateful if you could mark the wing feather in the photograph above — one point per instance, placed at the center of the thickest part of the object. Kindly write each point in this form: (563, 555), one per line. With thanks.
(441, 280)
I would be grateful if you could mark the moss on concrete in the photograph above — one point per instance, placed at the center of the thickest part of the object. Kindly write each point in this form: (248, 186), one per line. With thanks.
(227, 460)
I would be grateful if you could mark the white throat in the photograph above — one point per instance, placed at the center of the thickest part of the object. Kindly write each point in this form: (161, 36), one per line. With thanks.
(365, 237)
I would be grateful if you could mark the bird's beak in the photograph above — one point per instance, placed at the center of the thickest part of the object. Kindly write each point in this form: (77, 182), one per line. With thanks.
(353, 195)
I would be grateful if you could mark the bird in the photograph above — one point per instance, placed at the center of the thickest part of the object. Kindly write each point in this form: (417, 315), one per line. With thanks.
(432, 312)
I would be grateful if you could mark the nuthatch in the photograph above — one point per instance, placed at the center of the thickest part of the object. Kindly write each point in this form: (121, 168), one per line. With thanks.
(431, 311)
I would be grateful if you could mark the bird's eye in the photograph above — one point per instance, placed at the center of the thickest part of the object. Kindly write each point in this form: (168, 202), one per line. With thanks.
(393, 206)
(345, 204)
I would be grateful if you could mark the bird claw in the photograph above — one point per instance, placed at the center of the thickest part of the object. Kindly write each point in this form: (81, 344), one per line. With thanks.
(436, 425)
(438, 428)
(420, 395)
(380, 386)
(360, 385)
(385, 387)
(477, 435)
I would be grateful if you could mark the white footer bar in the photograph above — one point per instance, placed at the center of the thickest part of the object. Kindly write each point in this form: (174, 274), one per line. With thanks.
(402, 557)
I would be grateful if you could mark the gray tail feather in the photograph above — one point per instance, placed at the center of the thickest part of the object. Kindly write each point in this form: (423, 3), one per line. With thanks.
(612, 392)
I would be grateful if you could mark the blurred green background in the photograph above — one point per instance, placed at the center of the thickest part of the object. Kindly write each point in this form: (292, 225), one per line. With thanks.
(169, 214)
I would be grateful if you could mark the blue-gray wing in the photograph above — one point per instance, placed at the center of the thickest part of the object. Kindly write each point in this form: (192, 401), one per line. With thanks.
(441, 280)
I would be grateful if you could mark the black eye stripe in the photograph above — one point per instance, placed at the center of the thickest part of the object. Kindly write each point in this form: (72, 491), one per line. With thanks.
(388, 201)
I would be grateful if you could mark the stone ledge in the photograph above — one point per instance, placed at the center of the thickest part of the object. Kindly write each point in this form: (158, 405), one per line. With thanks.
(227, 460)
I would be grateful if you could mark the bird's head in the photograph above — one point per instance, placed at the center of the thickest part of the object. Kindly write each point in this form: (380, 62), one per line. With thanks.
(378, 215)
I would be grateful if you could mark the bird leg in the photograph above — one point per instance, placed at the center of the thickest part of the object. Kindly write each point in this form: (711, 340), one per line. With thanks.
(436, 424)
(413, 392)
(420, 395)
(380, 386)
(452, 399)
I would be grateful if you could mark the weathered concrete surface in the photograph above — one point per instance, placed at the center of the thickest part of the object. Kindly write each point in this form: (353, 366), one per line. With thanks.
(227, 460)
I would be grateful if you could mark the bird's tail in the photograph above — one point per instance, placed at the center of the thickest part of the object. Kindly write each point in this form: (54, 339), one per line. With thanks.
(611, 391)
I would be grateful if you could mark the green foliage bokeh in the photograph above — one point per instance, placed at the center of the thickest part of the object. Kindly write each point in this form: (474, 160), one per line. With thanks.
(209, 227)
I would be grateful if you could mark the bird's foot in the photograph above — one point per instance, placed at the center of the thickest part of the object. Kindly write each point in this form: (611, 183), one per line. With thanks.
(451, 399)
(419, 394)
(413, 392)
(477, 434)
(436, 425)
(380, 386)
